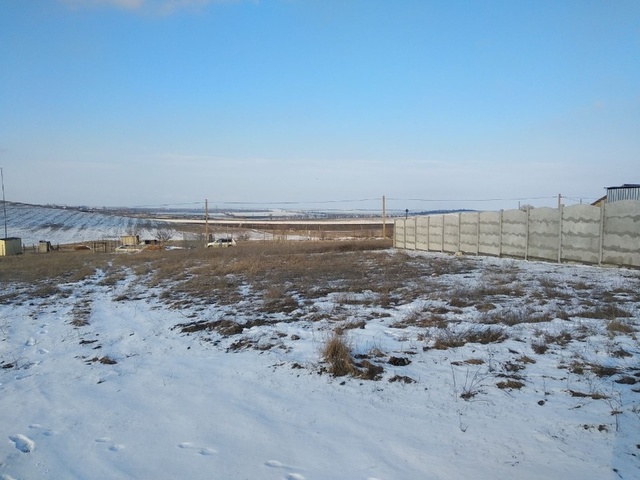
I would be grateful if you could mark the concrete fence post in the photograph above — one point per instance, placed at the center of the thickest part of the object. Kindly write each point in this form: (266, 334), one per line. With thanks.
(442, 239)
(526, 238)
(560, 222)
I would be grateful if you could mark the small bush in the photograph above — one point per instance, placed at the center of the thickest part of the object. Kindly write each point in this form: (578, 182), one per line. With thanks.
(539, 347)
(337, 354)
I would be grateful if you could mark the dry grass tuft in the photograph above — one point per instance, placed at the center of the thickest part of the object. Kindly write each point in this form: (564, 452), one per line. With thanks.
(606, 312)
(510, 384)
(449, 339)
(337, 354)
(615, 327)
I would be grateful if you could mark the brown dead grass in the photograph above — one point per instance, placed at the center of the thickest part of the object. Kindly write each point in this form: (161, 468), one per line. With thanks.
(336, 353)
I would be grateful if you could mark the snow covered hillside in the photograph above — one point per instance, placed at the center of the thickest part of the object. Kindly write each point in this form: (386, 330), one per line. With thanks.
(214, 365)
(33, 223)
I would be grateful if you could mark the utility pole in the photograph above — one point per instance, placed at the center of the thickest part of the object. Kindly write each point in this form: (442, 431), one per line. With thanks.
(206, 222)
(559, 200)
(4, 204)
(384, 219)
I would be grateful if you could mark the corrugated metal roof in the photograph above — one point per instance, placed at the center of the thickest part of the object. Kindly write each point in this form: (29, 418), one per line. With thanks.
(628, 191)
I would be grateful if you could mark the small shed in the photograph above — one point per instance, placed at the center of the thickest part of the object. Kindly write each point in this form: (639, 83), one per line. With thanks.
(10, 246)
(44, 246)
(130, 240)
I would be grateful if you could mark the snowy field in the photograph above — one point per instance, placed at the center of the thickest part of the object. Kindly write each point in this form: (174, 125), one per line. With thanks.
(33, 223)
(474, 368)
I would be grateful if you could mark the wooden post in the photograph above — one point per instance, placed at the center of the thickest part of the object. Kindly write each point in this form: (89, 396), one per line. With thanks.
(206, 222)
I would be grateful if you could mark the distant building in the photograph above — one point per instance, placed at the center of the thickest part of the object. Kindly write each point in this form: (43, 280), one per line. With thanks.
(130, 240)
(628, 191)
(10, 246)
(44, 246)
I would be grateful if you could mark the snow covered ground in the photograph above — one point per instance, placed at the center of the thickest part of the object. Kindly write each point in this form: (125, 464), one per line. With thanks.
(97, 382)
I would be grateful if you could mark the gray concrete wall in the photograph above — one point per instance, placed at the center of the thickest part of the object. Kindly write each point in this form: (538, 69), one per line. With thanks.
(410, 233)
(451, 232)
(469, 232)
(621, 233)
(544, 233)
(490, 240)
(422, 233)
(514, 233)
(436, 223)
(579, 233)
(398, 234)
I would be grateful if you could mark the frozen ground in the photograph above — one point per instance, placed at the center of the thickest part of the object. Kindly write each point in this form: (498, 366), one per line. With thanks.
(100, 381)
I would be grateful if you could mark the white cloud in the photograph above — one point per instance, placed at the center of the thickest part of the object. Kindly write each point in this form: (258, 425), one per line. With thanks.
(125, 4)
(161, 7)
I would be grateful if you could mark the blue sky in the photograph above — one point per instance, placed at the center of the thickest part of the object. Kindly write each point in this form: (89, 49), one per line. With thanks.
(150, 102)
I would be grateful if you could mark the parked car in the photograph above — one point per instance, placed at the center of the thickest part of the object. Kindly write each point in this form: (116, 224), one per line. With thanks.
(222, 242)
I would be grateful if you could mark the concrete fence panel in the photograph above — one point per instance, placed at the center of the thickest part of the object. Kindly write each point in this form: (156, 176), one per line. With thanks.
(514, 233)
(451, 232)
(436, 233)
(398, 234)
(410, 233)
(490, 233)
(422, 233)
(544, 233)
(621, 233)
(469, 228)
(581, 233)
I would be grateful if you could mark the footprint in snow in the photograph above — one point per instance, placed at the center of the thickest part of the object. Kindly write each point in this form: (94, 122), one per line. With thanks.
(114, 447)
(45, 431)
(289, 476)
(201, 450)
(23, 443)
